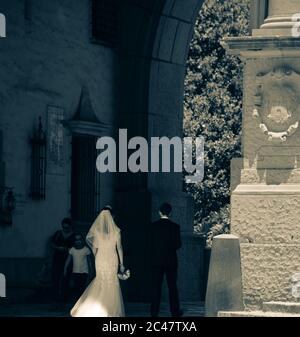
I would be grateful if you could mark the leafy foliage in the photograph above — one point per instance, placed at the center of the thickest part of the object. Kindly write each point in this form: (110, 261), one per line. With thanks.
(213, 105)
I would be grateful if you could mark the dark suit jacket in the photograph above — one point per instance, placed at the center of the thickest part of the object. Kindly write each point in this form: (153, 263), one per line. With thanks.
(165, 240)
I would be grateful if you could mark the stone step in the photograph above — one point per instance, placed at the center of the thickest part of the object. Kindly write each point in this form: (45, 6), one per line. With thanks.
(255, 314)
(282, 307)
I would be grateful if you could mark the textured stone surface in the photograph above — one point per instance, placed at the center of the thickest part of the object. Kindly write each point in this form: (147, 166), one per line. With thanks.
(267, 270)
(266, 218)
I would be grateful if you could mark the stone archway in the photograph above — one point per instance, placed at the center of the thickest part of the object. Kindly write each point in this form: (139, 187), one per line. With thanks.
(165, 118)
(165, 96)
(153, 54)
(152, 72)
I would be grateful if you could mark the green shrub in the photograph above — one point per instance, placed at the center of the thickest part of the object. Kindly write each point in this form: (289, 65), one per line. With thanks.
(213, 106)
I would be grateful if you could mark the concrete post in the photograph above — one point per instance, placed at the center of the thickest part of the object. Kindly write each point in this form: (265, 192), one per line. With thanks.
(224, 289)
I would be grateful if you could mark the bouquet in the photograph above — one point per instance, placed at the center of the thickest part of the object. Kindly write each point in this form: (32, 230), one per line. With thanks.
(124, 276)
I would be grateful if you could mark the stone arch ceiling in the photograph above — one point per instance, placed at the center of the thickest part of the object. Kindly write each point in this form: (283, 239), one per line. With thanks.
(175, 29)
(155, 28)
(155, 39)
(151, 30)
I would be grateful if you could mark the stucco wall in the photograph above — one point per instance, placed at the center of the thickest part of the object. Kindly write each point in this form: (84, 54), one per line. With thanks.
(45, 61)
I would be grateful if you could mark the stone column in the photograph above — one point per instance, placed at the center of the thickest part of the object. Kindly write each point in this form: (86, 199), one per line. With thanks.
(280, 18)
(265, 204)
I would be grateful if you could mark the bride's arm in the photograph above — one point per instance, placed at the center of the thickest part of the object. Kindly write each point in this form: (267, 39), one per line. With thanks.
(92, 244)
(120, 253)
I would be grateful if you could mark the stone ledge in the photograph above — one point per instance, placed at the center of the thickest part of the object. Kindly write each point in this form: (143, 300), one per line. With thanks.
(254, 314)
(282, 307)
(262, 47)
(260, 42)
(259, 189)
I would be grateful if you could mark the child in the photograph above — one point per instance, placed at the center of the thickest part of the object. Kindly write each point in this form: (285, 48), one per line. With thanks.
(79, 255)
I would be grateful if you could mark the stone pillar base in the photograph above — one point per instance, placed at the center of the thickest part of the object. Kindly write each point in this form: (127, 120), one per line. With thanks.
(266, 272)
(266, 214)
(266, 218)
(265, 206)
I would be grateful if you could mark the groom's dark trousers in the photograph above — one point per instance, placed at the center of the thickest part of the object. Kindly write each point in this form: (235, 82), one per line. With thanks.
(165, 240)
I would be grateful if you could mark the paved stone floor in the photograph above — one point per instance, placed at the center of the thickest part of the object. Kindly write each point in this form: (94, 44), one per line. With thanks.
(191, 309)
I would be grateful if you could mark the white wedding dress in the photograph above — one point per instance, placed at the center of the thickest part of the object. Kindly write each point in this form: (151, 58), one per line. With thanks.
(103, 297)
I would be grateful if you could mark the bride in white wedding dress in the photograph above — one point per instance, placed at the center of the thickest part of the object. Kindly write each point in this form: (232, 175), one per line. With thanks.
(103, 297)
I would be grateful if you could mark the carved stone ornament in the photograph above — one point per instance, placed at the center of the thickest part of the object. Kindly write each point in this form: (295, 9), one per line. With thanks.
(277, 104)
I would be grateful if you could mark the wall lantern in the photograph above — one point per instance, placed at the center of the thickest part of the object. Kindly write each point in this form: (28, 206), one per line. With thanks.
(8, 205)
(38, 163)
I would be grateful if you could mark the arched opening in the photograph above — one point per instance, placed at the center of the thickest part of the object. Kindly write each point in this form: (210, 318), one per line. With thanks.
(139, 87)
(152, 72)
(153, 67)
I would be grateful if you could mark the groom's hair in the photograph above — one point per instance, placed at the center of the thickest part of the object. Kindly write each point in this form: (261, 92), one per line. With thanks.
(165, 209)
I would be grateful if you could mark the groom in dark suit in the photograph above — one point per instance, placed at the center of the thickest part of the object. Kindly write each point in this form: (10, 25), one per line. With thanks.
(165, 240)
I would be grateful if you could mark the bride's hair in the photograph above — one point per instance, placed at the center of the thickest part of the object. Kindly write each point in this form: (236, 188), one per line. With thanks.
(103, 228)
(108, 208)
